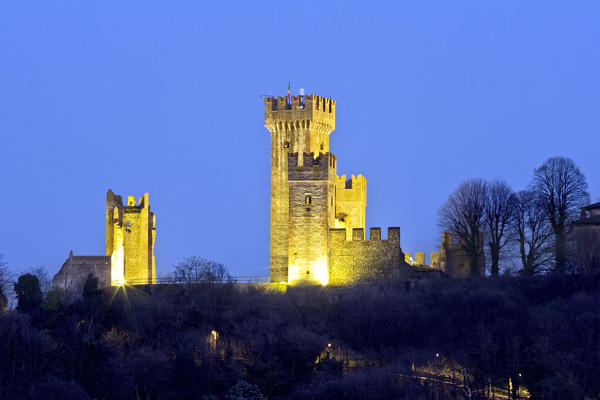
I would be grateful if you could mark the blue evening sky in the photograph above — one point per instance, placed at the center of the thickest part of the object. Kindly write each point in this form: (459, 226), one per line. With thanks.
(163, 97)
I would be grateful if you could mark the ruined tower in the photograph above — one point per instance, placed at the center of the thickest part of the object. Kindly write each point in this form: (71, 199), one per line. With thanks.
(130, 234)
(307, 197)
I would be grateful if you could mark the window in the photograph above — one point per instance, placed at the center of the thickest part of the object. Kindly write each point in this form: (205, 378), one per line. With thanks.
(308, 200)
(286, 145)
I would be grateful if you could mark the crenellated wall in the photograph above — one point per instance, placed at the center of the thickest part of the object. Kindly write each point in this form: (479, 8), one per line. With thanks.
(358, 260)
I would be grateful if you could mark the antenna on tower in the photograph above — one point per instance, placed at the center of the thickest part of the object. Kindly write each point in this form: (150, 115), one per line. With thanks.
(301, 98)
(288, 101)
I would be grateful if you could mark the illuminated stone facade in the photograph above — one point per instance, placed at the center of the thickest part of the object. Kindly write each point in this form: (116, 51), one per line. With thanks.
(312, 207)
(130, 234)
(354, 259)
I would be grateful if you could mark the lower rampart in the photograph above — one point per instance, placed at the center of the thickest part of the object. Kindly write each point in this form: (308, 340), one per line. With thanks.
(359, 260)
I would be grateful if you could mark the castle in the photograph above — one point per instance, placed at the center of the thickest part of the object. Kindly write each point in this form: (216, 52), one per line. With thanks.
(318, 218)
(129, 248)
(317, 227)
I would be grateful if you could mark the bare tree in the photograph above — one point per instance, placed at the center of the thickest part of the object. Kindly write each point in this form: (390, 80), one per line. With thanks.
(5, 277)
(463, 215)
(5, 281)
(499, 211)
(43, 277)
(532, 232)
(561, 190)
(196, 269)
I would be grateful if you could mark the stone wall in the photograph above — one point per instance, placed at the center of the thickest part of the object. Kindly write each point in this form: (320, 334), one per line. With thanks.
(359, 260)
(74, 272)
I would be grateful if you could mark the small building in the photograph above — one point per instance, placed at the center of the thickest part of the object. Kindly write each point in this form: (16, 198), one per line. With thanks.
(588, 239)
(454, 260)
(75, 270)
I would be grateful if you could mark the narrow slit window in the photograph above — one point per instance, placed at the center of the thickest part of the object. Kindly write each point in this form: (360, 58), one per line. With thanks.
(308, 200)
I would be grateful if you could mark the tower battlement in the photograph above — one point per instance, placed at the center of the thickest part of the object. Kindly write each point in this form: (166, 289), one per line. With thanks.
(308, 110)
(352, 187)
(319, 166)
(358, 235)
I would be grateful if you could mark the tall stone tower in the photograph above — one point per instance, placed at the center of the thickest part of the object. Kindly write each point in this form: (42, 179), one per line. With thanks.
(307, 197)
(130, 234)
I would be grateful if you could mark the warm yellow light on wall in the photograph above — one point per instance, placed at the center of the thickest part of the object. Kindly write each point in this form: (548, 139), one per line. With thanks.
(317, 272)
(320, 272)
(117, 276)
(293, 274)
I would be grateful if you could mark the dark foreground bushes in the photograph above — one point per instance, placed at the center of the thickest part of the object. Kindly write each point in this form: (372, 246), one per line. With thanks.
(224, 341)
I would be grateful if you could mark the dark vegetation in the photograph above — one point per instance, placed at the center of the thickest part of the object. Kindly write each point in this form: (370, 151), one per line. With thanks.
(234, 341)
(205, 337)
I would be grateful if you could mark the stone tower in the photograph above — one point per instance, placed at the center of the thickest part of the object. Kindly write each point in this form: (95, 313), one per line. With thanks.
(307, 197)
(130, 234)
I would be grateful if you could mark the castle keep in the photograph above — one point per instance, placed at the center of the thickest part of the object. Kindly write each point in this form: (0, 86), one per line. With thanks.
(318, 217)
